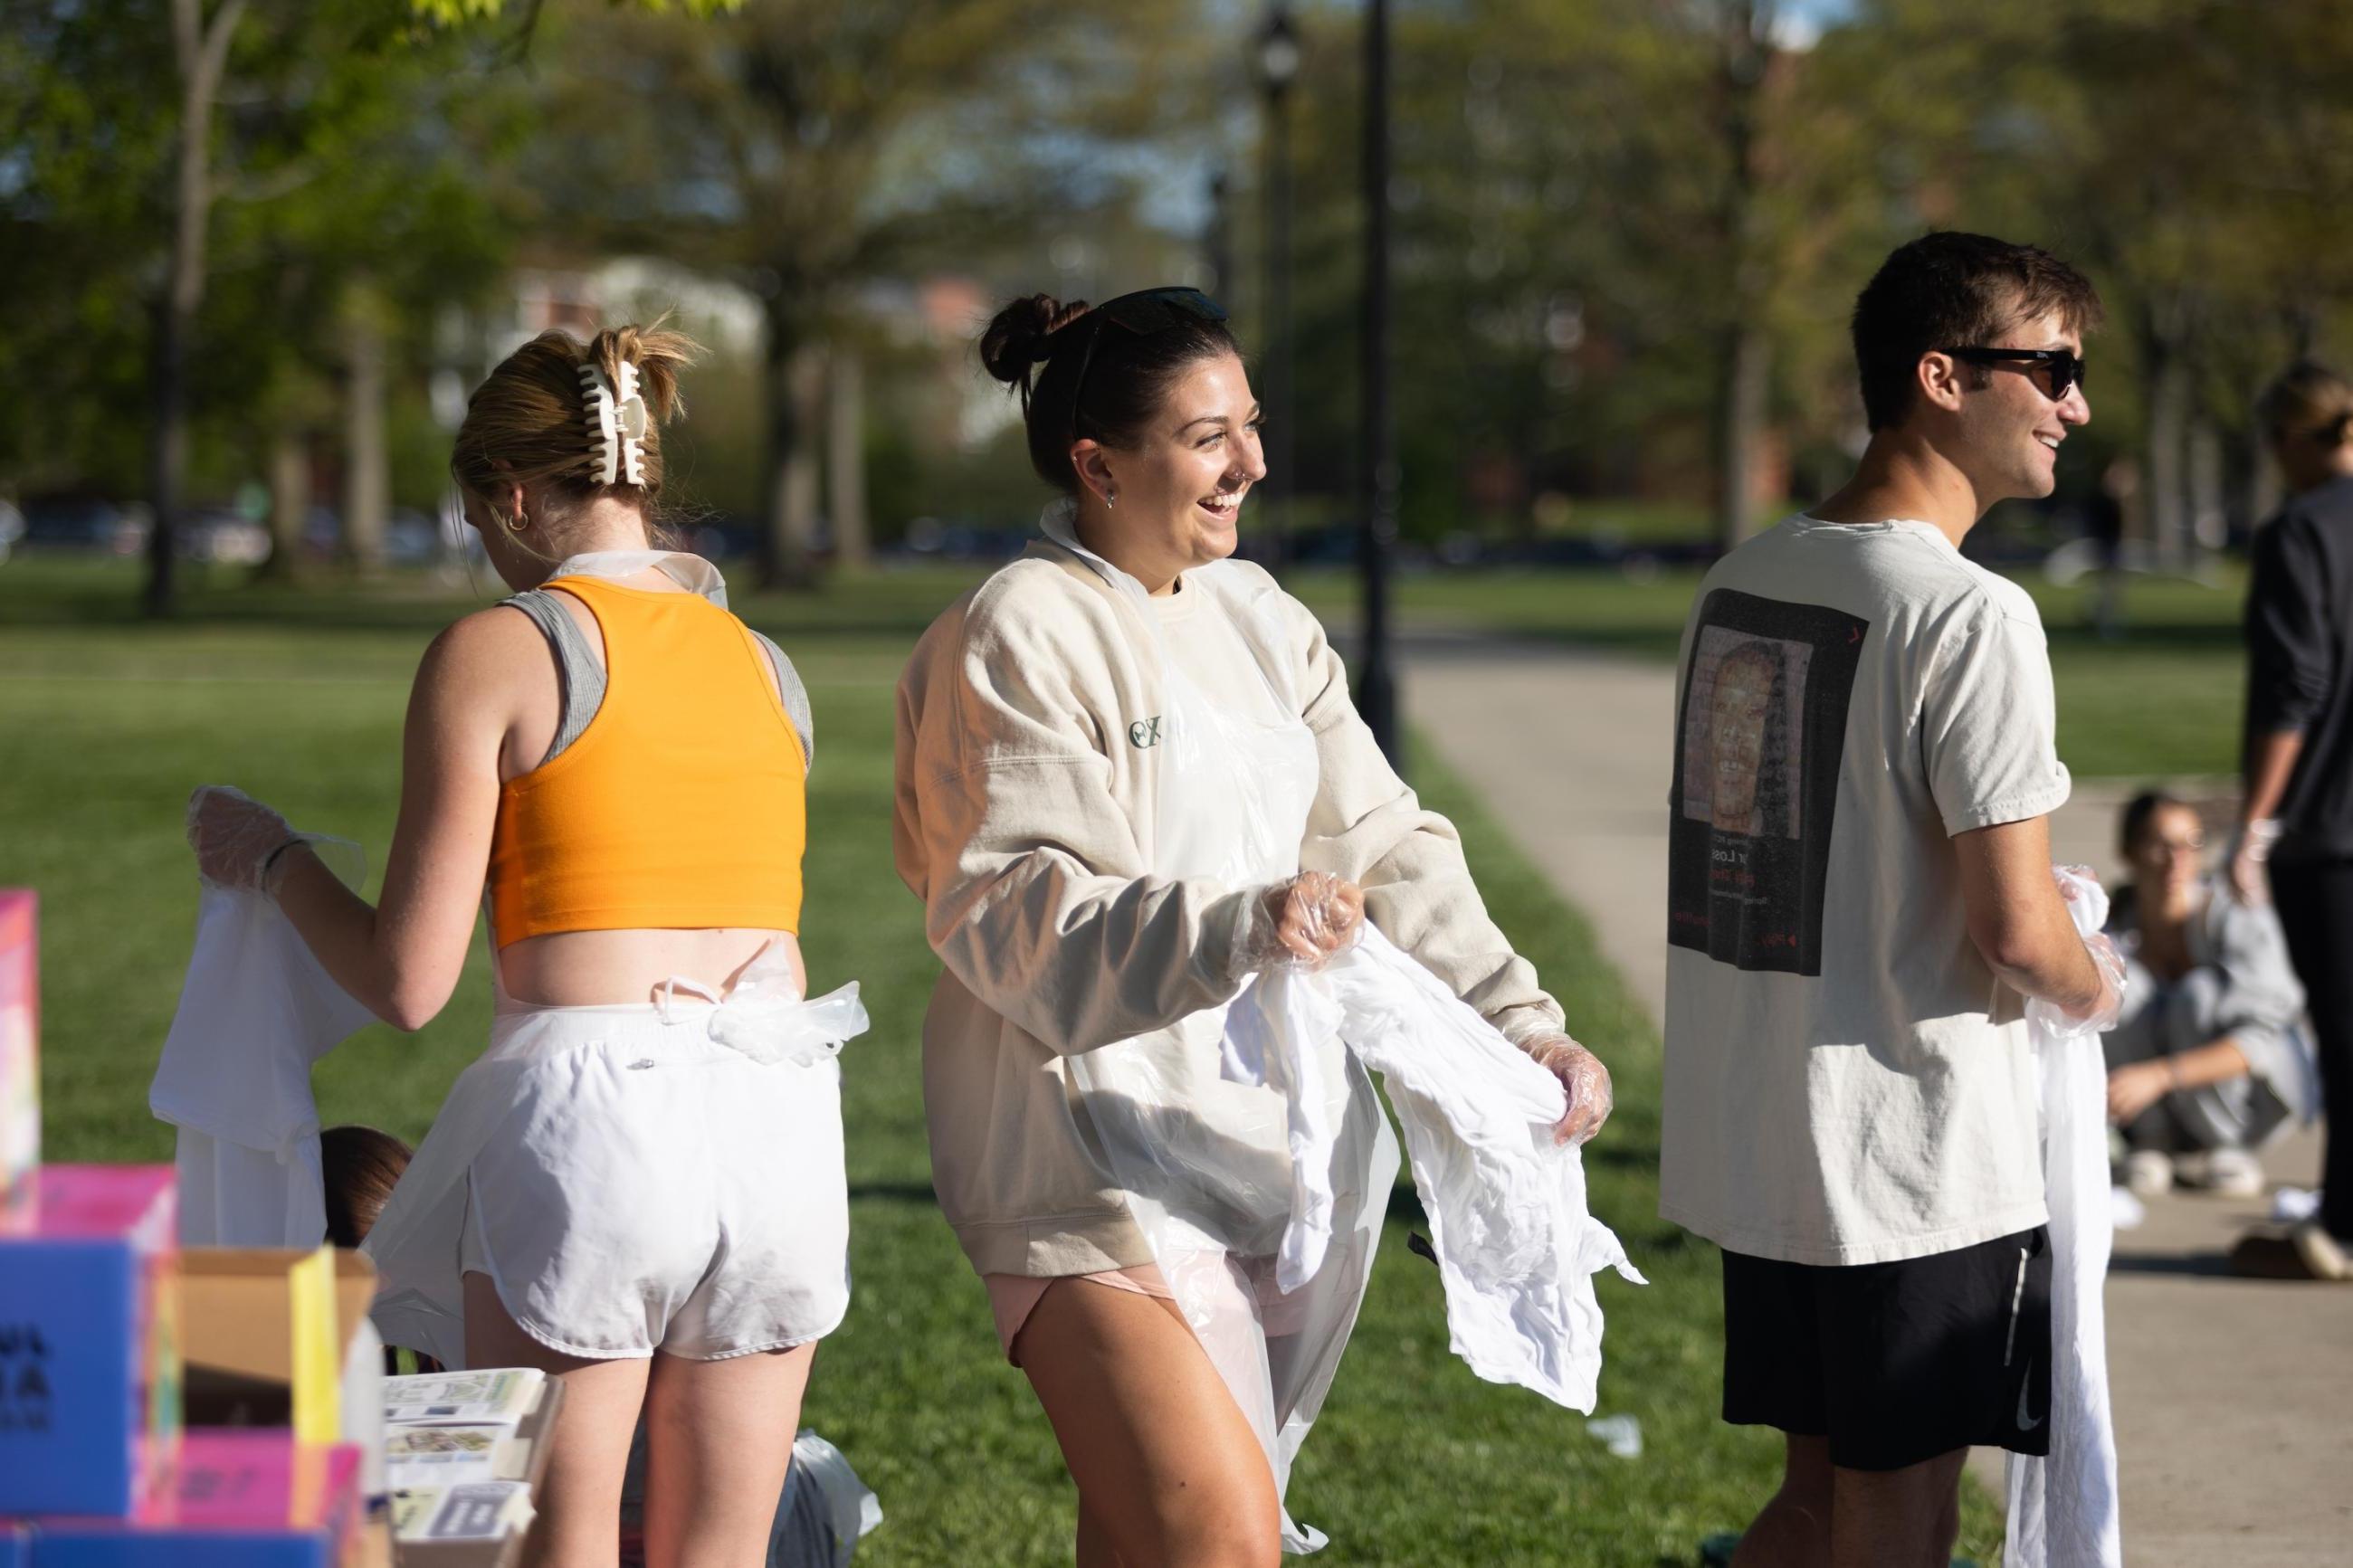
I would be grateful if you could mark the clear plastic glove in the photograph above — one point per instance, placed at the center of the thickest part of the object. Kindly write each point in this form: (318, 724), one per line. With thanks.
(1583, 1080)
(2251, 854)
(2048, 1016)
(1300, 922)
(236, 838)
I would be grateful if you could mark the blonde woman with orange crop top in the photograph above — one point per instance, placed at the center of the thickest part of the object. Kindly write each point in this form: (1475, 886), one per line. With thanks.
(639, 1186)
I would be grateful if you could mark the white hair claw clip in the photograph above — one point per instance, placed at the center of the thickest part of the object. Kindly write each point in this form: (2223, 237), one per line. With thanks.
(617, 425)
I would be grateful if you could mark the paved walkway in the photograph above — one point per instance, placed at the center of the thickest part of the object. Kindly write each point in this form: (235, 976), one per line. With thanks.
(2233, 1397)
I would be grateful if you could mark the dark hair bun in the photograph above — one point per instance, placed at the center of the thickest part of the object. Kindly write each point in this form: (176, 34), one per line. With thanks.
(1016, 338)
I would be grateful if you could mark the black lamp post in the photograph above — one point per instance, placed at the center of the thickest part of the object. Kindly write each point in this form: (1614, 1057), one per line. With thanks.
(1278, 68)
(1375, 686)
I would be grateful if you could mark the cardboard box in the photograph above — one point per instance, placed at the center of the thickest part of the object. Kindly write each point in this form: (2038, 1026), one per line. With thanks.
(20, 1045)
(263, 1333)
(90, 1356)
(250, 1500)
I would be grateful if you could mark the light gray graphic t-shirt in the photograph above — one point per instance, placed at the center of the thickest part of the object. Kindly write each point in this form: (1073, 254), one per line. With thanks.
(1846, 1081)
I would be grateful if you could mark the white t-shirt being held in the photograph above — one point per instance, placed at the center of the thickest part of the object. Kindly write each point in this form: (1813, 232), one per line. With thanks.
(1846, 1081)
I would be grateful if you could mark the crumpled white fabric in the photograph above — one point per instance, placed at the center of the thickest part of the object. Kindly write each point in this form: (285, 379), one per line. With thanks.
(255, 1010)
(1517, 1248)
(689, 571)
(763, 1014)
(2062, 1509)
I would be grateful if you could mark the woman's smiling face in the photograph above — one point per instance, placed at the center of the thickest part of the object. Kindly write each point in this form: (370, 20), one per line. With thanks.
(1173, 501)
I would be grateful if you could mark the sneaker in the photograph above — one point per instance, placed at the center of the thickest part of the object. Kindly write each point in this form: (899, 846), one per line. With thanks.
(2322, 1253)
(2233, 1173)
(2148, 1174)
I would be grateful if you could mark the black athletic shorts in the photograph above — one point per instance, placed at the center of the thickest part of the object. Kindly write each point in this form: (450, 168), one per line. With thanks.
(1894, 1363)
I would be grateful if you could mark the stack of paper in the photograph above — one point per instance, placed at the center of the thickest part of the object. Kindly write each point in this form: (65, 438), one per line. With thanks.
(455, 1455)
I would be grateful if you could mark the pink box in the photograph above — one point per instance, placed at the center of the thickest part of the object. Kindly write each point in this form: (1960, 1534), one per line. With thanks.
(20, 1043)
(253, 1499)
(89, 1349)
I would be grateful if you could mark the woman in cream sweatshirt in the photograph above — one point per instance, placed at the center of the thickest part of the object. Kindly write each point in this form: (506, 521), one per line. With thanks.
(1063, 890)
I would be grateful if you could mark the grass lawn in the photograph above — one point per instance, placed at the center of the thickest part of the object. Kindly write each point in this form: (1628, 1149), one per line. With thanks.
(2162, 700)
(108, 722)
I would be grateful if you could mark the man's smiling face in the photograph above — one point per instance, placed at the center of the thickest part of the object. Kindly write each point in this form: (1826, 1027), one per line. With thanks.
(2011, 427)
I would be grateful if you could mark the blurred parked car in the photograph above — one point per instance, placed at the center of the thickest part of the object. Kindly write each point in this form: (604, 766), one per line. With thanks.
(220, 534)
(410, 538)
(84, 523)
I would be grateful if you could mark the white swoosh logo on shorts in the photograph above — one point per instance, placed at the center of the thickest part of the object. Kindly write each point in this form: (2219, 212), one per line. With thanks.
(2027, 1423)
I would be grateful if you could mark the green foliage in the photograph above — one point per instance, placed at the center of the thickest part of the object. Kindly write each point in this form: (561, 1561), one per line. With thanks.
(348, 160)
(1570, 254)
(465, 13)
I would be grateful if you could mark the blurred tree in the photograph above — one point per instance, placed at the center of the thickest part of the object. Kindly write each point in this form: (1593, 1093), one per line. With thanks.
(130, 128)
(804, 147)
(2194, 156)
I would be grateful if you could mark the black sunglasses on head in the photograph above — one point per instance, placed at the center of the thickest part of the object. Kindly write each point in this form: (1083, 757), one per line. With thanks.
(2066, 365)
(1143, 312)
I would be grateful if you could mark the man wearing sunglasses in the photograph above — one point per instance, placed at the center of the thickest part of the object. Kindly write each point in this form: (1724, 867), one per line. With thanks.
(1851, 1109)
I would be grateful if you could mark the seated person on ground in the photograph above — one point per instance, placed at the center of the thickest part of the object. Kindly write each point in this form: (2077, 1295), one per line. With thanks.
(2206, 1062)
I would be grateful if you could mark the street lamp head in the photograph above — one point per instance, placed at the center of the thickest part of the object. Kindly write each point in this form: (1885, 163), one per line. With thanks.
(1277, 50)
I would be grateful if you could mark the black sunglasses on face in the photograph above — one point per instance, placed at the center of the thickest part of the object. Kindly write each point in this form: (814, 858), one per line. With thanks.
(1143, 312)
(2066, 365)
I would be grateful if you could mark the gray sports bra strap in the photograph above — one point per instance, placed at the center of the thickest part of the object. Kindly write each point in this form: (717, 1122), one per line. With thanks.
(795, 699)
(579, 673)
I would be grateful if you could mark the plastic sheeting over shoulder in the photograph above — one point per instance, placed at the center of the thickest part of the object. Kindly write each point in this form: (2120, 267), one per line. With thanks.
(1249, 1143)
(2062, 1509)
(1515, 1246)
(255, 1010)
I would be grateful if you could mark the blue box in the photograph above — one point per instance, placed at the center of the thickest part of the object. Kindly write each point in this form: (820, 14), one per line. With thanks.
(89, 1358)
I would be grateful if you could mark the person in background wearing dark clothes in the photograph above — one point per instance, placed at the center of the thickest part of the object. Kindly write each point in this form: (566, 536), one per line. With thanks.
(2295, 821)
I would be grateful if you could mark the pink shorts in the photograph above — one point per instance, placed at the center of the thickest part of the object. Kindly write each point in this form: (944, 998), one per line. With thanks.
(1013, 1297)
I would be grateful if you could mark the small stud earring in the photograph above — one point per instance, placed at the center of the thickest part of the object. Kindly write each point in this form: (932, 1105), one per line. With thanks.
(1110, 500)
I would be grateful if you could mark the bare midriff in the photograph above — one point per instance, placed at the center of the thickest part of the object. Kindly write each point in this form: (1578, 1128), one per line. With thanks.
(598, 968)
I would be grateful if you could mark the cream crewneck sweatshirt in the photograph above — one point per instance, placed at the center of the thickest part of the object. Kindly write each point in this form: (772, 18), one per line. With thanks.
(1025, 780)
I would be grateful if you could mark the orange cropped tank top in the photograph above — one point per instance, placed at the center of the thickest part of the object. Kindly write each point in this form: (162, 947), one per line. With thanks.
(681, 805)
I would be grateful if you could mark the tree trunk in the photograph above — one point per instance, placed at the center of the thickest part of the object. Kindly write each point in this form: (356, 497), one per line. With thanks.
(1744, 365)
(1748, 364)
(787, 559)
(290, 503)
(2167, 417)
(2263, 486)
(200, 53)
(2209, 518)
(367, 470)
(845, 459)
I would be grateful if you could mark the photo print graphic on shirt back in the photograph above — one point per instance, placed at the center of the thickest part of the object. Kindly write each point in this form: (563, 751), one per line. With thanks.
(1756, 769)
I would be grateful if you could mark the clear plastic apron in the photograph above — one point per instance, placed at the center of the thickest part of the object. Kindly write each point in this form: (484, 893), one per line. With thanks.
(1205, 1161)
